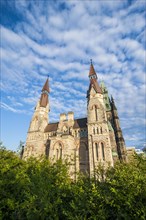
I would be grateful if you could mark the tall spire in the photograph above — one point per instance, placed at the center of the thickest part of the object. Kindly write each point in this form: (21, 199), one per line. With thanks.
(46, 86)
(92, 70)
(44, 95)
(93, 79)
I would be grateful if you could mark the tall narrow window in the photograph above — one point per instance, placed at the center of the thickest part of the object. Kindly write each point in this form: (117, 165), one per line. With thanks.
(93, 130)
(83, 158)
(96, 147)
(47, 150)
(96, 115)
(60, 148)
(97, 131)
(101, 130)
(81, 134)
(57, 154)
(102, 149)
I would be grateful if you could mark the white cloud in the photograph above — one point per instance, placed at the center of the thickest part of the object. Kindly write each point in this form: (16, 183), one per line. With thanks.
(9, 108)
(59, 39)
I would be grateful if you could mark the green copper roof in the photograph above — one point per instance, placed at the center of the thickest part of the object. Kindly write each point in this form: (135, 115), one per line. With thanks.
(103, 87)
(110, 126)
(102, 84)
(105, 96)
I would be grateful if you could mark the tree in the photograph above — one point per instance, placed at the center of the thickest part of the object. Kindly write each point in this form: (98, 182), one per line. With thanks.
(1, 145)
(20, 149)
(125, 190)
(33, 189)
(37, 189)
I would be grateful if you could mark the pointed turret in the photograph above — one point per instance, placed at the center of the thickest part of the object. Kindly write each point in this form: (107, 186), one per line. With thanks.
(92, 70)
(46, 86)
(44, 95)
(35, 137)
(103, 87)
(105, 96)
(93, 79)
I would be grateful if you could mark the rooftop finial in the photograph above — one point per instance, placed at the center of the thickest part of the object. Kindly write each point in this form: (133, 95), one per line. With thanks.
(91, 61)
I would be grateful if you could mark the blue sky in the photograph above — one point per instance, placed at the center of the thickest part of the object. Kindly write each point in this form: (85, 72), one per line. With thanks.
(59, 38)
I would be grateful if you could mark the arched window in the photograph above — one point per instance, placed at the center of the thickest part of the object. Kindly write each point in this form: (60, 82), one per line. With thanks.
(96, 115)
(102, 150)
(97, 130)
(96, 147)
(58, 151)
(101, 130)
(93, 130)
(47, 150)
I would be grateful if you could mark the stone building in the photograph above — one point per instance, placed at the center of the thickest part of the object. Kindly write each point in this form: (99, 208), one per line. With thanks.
(85, 142)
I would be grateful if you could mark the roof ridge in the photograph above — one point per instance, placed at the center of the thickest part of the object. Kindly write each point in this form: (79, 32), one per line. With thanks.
(53, 123)
(80, 118)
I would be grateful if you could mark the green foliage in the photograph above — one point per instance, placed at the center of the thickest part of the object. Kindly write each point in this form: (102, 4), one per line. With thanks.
(36, 189)
(144, 149)
(124, 190)
(20, 147)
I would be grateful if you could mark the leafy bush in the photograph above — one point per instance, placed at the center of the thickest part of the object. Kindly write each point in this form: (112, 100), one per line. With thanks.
(36, 189)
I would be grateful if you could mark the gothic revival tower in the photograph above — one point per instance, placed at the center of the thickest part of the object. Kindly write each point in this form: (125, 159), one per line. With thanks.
(35, 143)
(99, 144)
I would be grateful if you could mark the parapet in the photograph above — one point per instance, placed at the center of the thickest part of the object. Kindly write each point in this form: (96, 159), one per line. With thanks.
(62, 117)
(70, 116)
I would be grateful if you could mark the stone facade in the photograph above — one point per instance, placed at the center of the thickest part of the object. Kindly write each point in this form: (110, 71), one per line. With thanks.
(85, 142)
